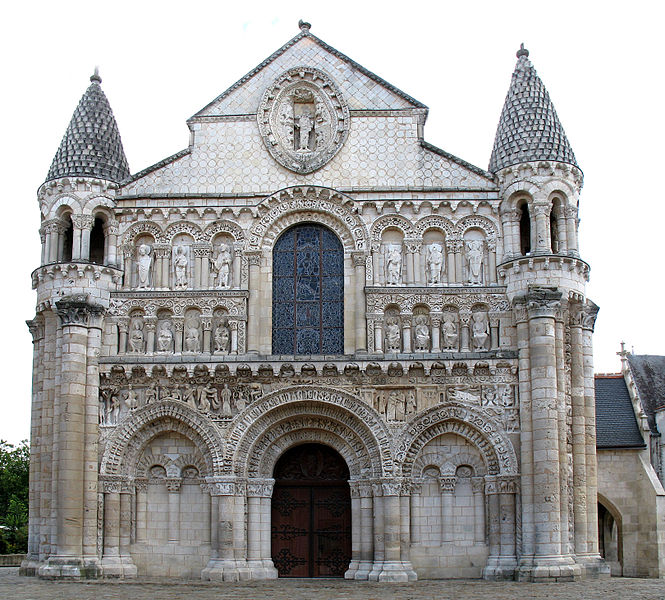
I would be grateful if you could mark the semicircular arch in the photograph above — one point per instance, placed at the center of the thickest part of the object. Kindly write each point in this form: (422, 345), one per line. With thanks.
(481, 431)
(143, 227)
(147, 422)
(390, 221)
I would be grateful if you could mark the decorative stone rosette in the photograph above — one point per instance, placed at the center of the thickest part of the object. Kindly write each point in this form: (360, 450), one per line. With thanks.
(303, 119)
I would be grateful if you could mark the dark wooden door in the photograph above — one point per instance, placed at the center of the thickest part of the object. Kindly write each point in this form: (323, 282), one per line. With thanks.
(311, 513)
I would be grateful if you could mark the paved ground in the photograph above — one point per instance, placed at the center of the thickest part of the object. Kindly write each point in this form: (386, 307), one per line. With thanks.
(13, 587)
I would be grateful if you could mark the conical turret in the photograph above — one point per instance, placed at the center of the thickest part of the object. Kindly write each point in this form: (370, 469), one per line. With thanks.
(529, 128)
(91, 146)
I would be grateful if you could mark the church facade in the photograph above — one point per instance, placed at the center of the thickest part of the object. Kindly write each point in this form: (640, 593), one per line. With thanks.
(312, 344)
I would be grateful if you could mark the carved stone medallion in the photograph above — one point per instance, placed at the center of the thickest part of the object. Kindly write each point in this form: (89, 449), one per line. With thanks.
(303, 119)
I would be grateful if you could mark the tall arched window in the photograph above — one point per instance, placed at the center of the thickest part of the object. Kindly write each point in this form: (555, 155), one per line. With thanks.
(67, 240)
(308, 292)
(97, 242)
(525, 230)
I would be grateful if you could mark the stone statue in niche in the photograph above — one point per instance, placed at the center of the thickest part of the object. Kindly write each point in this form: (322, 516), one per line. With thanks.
(144, 262)
(393, 260)
(308, 119)
(395, 406)
(225, 395)
(180, 267)
(434, 264)
(192, 335)
(222, 266)
(480, 331)
(393, 336)
(411, 405)
(136, 336)
(165, 337)
(222, 338)
(474, 261)
(449, 333)
(421, 334)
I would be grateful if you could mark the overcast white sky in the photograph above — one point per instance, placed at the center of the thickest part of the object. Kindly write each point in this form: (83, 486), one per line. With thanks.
(162, 61)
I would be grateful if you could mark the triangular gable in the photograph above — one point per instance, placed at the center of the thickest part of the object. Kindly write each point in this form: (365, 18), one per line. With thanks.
(362, 89)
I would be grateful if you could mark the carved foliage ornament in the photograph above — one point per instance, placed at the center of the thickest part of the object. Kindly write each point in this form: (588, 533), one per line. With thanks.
(303, 119)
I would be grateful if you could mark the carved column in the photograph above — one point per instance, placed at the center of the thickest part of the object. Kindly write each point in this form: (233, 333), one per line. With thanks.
(178, 328)
(223, 565)
(350, 573)
(259, 562)
(450, 260)
(254, 308)
(562, 428)
(418, 272)
(411, 248)
(376, 251)
(141, 492)
(593, 563)
(359, 301)
(507, 488)
(233, 326)
(541, 211)
(478, 489)
(206, 324)
(436, 334)
(494, 331)
(465, 319)
(173, 487)
(416, 511)
(494, 529)
(124, 538)
(150, 324)
(205, 252)
(74, 313)
(405, 528)
(393, 569)
(128, 265)
(111, 563)
(82, 226)
(508, 217)
(237, 260)
(571, 230)
(111, 229)
(378, 335)
(123, 328)
(406, 333)
(491, 259)
(578, 429)
(161, 266)
(366, 531)
(458, 248)
(379, 548)
(447, 485)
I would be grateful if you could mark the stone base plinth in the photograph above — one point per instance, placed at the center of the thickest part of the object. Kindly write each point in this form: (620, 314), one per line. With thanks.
(219, 569)
(394, 571)
(29, 567)
(593, 566)
(72, 568)
(118, 567)
(500, 569)
(545, 569)
(261, 569)
(363, 571)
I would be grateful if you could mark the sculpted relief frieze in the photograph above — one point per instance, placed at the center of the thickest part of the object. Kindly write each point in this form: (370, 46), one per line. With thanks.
(303, 119)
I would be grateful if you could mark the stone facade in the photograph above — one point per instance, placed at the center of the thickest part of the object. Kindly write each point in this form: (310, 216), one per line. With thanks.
(310, 270)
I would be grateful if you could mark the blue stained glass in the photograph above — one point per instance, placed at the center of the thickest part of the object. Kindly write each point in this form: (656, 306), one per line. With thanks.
(308, 259)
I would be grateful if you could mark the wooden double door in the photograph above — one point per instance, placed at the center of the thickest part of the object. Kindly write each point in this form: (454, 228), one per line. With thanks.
(311, 513)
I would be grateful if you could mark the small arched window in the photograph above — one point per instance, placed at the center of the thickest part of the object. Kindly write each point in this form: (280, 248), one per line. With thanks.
(308, 292)
(97, 242)
(67, 240)
(525, 230)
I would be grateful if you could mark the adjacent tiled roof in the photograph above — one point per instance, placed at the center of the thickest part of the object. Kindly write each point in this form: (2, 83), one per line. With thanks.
(649, 375)
(529, 128)
(616, 426)
(91, 146)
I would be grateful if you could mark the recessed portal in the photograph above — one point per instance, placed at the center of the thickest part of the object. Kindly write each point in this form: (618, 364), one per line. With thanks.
(311, 513)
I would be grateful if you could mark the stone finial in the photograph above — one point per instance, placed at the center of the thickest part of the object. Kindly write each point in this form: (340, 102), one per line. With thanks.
(304, 26)
(522, 52)
(95, 78)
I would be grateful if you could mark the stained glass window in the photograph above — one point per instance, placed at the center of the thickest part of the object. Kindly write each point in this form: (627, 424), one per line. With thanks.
(308, 292)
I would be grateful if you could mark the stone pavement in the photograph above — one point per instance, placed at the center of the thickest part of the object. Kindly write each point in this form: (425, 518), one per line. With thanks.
(13, 587)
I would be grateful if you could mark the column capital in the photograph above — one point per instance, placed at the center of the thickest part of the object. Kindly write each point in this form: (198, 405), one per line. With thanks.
(261, 488)
(202, 250)
(538, 301)
(222, 486)
(36, 327)
(77, 310)
(391, 487)
(253, 257)
(589, 313)
(83, 222)
(358, 257)
(477, 485)
(447, 484)
(173, 483)
(508, 484)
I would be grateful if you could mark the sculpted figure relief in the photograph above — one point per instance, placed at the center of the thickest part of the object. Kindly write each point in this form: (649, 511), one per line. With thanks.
(165, 337)
(136, 336)
(449, 333)
(434, 264)
(180, 267)
(144, 262)
(222, 338)
(393, 260)
(475, 258)
(222, 266)
(480, 331)
(422, 334)
(393, 336)
(192, 335)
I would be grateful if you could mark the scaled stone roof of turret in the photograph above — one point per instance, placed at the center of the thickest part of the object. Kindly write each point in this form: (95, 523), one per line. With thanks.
(91, 146)
(529, 128)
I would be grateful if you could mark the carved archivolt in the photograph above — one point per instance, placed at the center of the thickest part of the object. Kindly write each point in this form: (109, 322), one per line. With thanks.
(437, 459)
(308, 407)
(477, 222)
(481, 431)
(434, 222)
(207, 304)
(131, 437)
(302, 205)
(391, 221)
(378, 301)
(141, 227)
(222, 227)
(173, 466)
(182, 227)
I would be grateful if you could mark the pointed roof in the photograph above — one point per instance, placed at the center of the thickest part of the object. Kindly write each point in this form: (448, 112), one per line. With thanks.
(529, 128)
(91, 146)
